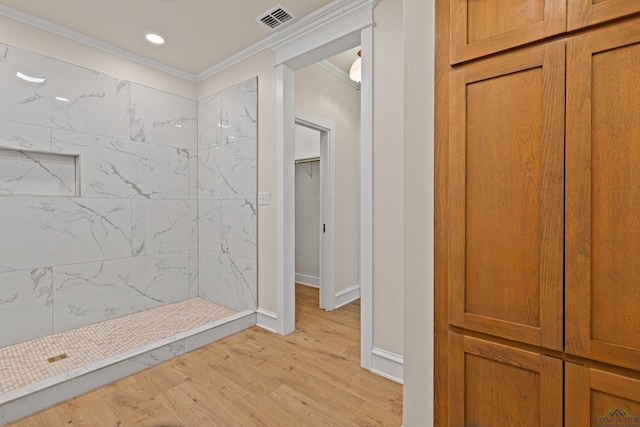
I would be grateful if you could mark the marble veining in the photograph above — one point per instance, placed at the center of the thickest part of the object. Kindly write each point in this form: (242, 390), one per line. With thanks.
(162, 118)
(193, 273)
(210, 225)
(21, 136)
(40, 231)
(228, 280)
(228, 171)
(93, 292)
(209, 125)
(193, 174)
(164, 226)
(125, 169)
(26, 299)
(29, 173)
(70, 97)
(238, 112)
(239, 227)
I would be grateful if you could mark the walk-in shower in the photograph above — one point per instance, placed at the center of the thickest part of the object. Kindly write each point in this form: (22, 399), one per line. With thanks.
(127, 225)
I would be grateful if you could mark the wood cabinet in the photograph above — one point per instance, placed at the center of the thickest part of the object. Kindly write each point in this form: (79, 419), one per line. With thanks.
(584, 13)
(599, 398)
(603, 196)
(482, 27)
(538, 212)
(497, 385)
(507, 196)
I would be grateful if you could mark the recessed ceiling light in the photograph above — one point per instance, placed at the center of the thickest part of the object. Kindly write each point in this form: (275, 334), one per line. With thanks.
(154, 38)
(59, 98)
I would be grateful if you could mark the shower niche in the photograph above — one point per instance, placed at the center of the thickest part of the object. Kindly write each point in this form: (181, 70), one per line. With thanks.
(31, 173)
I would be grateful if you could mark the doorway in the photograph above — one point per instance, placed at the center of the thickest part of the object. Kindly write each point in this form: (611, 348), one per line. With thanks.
(315, 205)
(354, 31)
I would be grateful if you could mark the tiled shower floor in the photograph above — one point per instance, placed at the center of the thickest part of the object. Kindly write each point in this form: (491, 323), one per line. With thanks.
(26, 363)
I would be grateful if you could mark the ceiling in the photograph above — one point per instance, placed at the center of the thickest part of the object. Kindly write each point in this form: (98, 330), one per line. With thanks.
(199, 33)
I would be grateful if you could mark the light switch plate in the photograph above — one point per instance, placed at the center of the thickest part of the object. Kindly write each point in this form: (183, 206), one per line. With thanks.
(264, 199)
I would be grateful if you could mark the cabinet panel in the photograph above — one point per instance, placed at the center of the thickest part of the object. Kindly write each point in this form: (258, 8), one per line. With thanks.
(598, 398)
(603, 196)
(582, 13)
(482, 27)
(495, 385)
(506, 196)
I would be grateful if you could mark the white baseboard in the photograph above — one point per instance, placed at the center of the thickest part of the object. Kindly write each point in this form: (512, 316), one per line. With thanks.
(346, 296)
(387, 364)
(267, 320)
(304, 279)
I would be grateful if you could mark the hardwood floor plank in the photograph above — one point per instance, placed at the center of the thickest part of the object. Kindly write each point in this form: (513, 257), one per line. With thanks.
(307, 408)
(47, 418)
(311, 377)
(86, 411)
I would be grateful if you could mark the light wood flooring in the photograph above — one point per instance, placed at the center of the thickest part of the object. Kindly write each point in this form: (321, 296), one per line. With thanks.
(311, 377)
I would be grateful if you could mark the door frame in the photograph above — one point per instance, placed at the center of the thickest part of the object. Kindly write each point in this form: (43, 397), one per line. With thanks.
(327, 253)
(350, 30)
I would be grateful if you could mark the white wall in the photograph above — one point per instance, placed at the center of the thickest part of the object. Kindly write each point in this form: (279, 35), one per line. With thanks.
(307, 143)
(418, 212)
(388, 177)
(322, 94)
(308, 222)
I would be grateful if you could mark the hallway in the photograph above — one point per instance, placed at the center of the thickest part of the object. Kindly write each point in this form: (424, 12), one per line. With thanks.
(311, 377)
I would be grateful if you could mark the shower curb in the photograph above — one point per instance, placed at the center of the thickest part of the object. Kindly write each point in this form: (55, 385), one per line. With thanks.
(27, 400)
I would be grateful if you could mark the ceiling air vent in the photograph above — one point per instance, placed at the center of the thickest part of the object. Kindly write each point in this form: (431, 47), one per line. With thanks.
(275, 17)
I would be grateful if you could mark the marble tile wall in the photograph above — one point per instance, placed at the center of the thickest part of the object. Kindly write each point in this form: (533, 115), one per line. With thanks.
(164, 208)
(227, 190)
(127, 238)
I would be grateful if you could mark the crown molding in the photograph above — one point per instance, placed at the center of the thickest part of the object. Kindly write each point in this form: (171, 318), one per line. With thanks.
(42, 24)
(328, 66)
(326, 17)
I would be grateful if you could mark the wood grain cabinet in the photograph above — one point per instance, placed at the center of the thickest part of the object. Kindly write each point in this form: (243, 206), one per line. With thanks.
(496, 385)
(506, 163)
(584, 13)
(598, 398)
(603, 196)
(538, 225)
(482, 27)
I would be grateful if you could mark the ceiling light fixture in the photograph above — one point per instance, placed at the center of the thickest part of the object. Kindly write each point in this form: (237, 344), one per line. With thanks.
(154, 38)
(30, 79)
(59, 98)
(355, 73)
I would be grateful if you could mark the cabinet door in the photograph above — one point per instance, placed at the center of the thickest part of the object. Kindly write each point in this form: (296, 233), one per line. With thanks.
(482, 27)
(496, 385)
(603, 196)
(582, 13)
(506, 196)
(598, 398)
